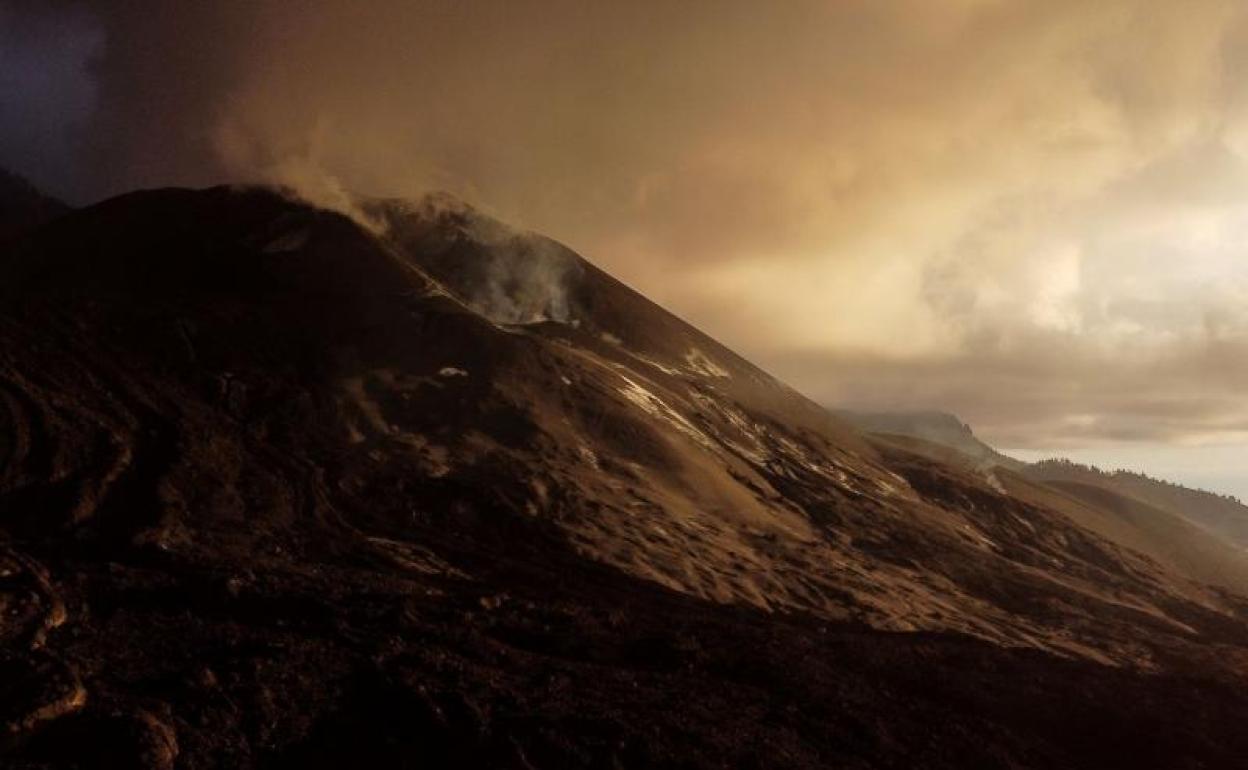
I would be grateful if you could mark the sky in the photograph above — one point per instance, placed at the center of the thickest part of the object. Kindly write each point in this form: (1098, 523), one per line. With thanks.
(1028, 213)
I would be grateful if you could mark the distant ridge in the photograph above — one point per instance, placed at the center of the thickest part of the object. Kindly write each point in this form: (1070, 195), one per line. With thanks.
(937, 427)
(1222, 514)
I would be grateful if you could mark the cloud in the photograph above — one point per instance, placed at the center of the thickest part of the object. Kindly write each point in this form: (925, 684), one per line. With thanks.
(1009, 208)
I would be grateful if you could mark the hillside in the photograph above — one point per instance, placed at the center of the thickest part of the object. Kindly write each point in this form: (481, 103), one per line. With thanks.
(1221, 514)
(279, 491)
(1111, 504)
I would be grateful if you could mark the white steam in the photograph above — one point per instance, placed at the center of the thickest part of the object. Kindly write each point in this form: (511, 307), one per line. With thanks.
(514, 277)
(311, 184)
(526, 281)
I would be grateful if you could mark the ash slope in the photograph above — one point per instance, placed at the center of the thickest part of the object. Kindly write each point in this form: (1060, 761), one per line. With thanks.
(1223, 515)
(277, 491)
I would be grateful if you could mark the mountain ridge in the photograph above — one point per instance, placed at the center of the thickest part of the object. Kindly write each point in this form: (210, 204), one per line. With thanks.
(23, 207)
(934, 426)
(1223, 515)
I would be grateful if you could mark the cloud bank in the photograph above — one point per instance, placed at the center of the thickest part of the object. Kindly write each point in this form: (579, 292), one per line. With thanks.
(1030, 212)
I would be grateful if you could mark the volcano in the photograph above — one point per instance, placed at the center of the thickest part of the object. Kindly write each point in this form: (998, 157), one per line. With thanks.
(281, 487)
